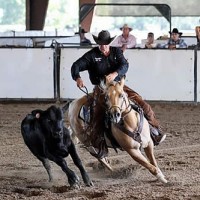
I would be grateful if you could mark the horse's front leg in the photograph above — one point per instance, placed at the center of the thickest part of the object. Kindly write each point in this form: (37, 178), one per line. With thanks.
(150, 155)
(149, 151)
(137, 156)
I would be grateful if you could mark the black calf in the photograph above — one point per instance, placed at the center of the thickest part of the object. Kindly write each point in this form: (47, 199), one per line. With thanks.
(48, 139)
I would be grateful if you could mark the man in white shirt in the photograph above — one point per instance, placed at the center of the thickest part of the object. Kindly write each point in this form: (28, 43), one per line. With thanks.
(126, 40)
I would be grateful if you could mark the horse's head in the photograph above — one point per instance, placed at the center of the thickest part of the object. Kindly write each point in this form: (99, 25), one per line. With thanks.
(116, 99)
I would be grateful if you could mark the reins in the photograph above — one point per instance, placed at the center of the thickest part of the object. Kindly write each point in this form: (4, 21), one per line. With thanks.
(93, 97)
(85, 91)
(128, 111)
(120, 108)
(136, 133)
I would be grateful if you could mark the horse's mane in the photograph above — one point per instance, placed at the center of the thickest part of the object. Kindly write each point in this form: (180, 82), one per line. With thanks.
(103, 86)
(112, 83)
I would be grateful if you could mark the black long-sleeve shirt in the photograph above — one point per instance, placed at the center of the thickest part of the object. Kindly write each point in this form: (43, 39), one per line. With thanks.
(99, 65)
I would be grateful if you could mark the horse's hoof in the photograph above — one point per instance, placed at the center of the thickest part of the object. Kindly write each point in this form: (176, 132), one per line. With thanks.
(104, 161)
(163, 180)
(161, 177)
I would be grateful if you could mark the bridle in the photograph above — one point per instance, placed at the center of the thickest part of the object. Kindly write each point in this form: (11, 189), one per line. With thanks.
(128, 107)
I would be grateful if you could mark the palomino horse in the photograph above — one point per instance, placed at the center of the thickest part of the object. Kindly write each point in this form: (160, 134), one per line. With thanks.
(120, 110)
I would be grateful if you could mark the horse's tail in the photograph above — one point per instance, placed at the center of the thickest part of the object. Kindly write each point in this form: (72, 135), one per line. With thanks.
(66, 106)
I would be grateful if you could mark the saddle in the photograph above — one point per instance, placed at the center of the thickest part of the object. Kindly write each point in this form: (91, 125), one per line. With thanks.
(95, 131)
(104, 139)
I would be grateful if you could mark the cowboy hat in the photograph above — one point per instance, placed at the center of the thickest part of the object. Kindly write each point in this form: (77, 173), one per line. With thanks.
(103, 38)
(175, 30)
(126, 26)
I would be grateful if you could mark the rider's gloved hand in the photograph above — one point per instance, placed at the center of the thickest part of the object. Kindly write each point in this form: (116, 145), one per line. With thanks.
(80, 83)
(111, 77)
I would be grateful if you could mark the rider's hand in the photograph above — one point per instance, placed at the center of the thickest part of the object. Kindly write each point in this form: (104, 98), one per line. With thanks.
(79, 82)
(111, 77)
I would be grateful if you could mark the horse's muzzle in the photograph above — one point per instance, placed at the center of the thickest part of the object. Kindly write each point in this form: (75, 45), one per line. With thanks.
(115, 116)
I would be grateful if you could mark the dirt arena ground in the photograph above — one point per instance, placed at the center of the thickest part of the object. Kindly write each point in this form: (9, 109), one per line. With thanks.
(22, 176)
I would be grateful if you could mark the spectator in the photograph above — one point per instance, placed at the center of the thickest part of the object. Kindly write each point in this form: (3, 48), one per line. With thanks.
(126, 40)
(175, 40)
(83, 40)
(197, 30)
(150, 44)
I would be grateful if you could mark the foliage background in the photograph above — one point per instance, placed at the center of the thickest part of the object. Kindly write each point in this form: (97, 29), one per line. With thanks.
(64, 15)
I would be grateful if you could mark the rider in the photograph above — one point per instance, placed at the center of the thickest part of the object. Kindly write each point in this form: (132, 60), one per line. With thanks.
(106, 61)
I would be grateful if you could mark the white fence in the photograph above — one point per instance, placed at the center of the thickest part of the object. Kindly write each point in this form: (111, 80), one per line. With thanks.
(26, 73)
(160, 75)
(155, 74)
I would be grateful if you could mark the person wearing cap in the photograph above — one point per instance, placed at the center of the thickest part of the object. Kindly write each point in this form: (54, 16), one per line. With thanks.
(83, 40)
(125, 40)
(108, 62)
(175, 41)
(150, 44)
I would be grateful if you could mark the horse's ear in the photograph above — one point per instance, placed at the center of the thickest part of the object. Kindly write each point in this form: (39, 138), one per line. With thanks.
(122, 82)
(107, 81)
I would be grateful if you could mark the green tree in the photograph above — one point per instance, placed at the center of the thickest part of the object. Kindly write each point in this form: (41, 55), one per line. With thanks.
(12, 12)
(62, 14)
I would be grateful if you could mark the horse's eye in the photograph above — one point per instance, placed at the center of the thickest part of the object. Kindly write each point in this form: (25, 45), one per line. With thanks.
(121, 96)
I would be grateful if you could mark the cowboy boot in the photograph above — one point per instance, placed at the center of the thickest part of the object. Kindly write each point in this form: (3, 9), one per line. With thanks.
(156, 135)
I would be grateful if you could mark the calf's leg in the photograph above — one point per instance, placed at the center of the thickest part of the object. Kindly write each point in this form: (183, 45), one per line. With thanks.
(73, 179)
(77, 161)
(47, 166)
